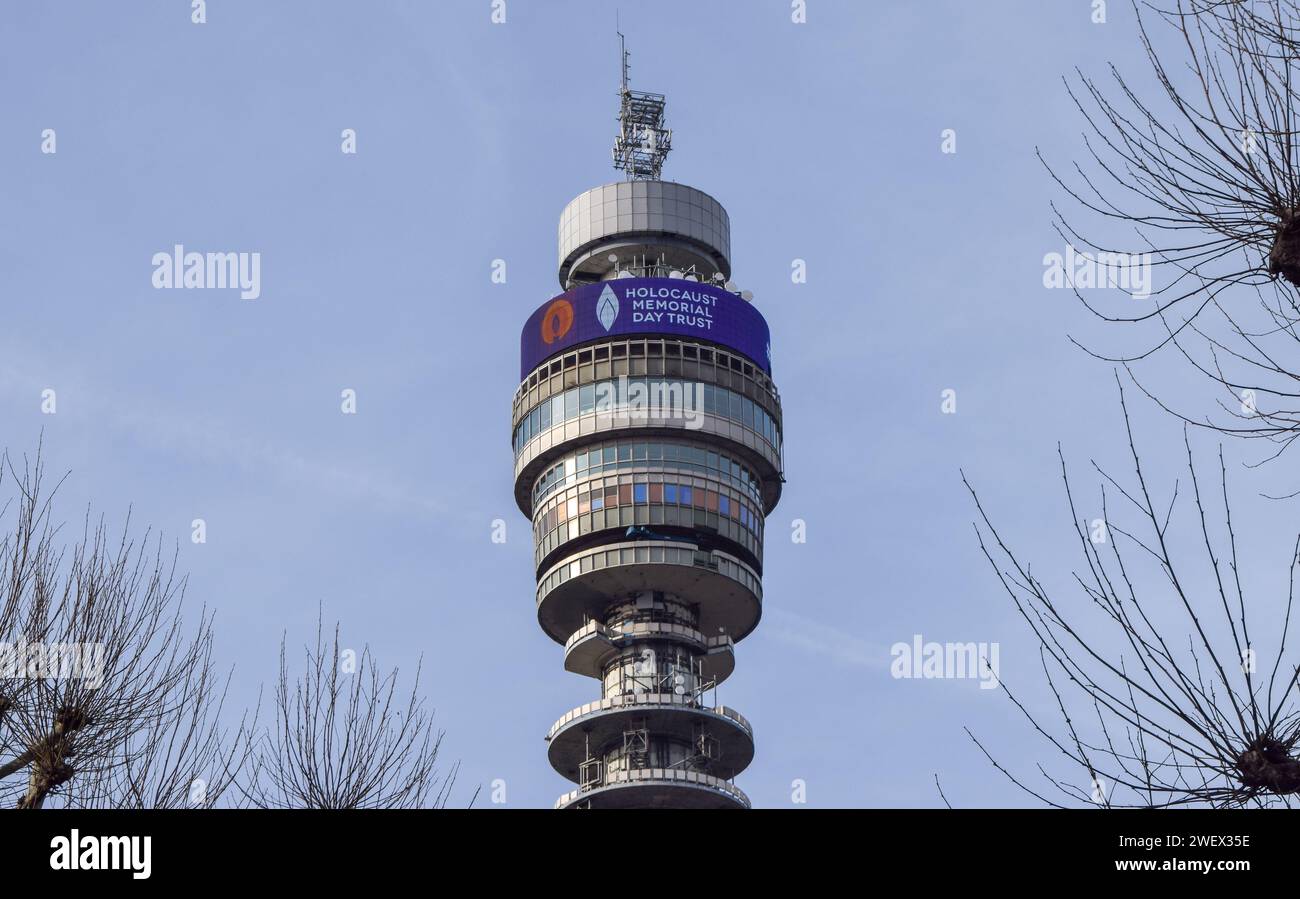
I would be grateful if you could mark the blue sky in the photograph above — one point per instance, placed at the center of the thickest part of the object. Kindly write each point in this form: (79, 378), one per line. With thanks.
(823, 142)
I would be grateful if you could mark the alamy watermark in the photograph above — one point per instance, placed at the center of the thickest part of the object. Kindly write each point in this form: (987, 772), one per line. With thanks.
(53, 661)
(932, 660)
(1084, 270)
(218, 271)
(76, 852)
(646, 400)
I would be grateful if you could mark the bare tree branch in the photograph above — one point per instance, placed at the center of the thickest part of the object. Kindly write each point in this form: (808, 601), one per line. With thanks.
(344, 738)
(1198, 726)
(106, 698)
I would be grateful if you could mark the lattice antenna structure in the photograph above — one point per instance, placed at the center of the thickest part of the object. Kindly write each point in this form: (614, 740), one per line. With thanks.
(644, 139)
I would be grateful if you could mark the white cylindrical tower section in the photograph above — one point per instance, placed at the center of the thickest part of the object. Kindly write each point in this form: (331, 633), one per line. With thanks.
(643, 223)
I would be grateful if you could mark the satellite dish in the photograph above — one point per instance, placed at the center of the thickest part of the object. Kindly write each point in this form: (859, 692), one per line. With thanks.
(612, 257)
(719, 276)
(730, 285)
(694, 278)
(747, 296)
(626, 274)
(675, 274)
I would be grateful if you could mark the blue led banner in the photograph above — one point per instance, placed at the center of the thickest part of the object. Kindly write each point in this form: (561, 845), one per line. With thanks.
(669, 306)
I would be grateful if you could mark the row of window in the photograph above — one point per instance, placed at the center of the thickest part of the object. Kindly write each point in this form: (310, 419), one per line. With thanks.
(650, 516)
(609, 494)
(624, 455)
(651, 353)
(651, 397)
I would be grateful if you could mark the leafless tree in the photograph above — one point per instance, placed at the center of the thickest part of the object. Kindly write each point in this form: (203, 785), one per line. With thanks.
(1162, 697)
(1203, 176)
(343, 738)
(107, 699)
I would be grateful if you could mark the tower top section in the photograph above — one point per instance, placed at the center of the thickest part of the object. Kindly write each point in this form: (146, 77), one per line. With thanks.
(643, 138)
(644, 228)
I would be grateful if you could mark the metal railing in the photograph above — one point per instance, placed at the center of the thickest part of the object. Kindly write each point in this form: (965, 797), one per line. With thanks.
(632, 700)
(659, 775)
(638, 629)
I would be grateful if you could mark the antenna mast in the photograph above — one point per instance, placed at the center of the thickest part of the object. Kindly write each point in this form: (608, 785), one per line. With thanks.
(643, 138)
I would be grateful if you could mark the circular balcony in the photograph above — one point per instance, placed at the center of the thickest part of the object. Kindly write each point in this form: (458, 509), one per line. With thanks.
(658, 788)
(580, 587)
(588, 650)
(601, 723)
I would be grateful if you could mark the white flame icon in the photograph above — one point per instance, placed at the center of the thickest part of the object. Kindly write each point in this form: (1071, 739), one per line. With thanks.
(607, 307)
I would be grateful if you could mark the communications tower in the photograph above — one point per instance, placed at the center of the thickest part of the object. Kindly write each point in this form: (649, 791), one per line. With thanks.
(647, 443)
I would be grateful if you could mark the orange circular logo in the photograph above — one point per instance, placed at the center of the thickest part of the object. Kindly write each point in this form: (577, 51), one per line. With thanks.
(557, 320)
